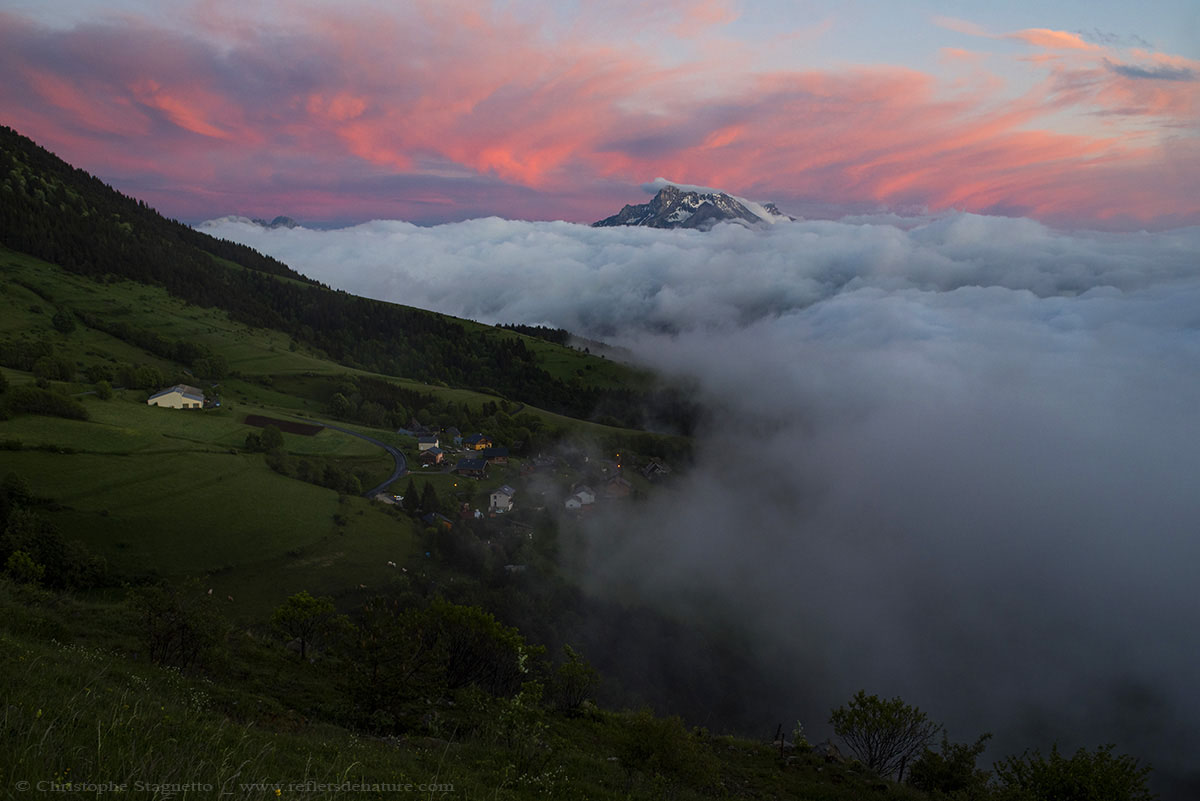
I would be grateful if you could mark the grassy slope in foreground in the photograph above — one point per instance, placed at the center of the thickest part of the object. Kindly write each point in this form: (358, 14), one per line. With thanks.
(79, 709)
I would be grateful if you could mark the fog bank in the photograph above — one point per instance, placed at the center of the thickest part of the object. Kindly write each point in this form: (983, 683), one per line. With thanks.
(952, 460)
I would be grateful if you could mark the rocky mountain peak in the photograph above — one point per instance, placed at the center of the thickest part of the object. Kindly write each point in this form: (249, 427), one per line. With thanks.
(674, 207)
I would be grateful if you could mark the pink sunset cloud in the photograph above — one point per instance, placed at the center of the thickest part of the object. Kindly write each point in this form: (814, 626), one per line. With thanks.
(1053, 40)
(445, 111)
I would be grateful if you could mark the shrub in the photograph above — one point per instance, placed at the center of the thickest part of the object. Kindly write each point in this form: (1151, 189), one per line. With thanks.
(272, 438)
(952, 772)
(884, 735)
(1086, 776)
(663, 751)
(21, 568)
(100, 372)
(37, 400)
(63, 321)
(67, 563)
(573, 681)
(53, 368)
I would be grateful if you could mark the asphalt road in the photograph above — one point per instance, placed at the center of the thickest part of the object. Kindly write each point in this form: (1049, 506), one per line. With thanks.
(397, 457)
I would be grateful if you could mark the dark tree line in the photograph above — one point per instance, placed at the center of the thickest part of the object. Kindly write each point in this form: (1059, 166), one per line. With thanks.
(199, 357)
(559, 336)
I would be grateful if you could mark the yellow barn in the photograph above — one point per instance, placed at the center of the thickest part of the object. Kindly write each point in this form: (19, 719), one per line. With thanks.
(180, 396)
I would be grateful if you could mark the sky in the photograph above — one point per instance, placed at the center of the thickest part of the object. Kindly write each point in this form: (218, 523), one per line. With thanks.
(949, 458)
(1083, 115)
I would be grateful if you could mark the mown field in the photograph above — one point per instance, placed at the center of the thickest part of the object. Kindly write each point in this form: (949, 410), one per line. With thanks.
(162, 492)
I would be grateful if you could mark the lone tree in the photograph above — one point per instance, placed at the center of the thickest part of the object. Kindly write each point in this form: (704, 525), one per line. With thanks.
(573, 681)
(304, 618)
(181, 624)
(412, 501)
(885, 735)
(272, 438)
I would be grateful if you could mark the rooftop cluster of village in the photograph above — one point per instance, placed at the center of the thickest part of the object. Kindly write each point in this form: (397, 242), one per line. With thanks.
(575, 481)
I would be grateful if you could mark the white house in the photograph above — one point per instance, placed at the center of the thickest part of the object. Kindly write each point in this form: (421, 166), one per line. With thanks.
(583, 496)
(427, 441)
(502, 499)
(180, 396)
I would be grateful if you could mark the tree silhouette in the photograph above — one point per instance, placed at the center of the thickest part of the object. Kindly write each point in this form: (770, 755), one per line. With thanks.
(304, 618)
(884, 735)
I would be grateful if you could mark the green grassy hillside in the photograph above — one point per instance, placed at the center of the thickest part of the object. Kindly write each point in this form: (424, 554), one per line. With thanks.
(60, 214)
(158, 492)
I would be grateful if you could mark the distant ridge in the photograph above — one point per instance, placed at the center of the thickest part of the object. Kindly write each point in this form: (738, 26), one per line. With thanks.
(278, 222)
(62, 214)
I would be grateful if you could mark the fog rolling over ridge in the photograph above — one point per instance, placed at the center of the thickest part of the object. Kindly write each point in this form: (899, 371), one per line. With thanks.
(955, 462)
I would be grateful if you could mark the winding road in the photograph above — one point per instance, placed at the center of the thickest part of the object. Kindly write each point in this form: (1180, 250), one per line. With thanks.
(397, 456)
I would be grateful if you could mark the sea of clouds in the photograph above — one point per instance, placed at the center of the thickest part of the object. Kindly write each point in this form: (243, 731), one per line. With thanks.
(951, 459)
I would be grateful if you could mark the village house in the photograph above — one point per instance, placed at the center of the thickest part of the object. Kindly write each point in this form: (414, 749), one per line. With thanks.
(432, 456)
(583, 496)
(499, 455)
(472, 468)
(656, 469)
(455, 436)
(437, 519)
(416, 428)
(618, 487)
(427, 441)
(502, 499)
(180, 396)
(477, 442)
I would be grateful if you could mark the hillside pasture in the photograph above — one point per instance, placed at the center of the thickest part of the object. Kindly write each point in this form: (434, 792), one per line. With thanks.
(286, 426)
(178, 513)
(255, 534)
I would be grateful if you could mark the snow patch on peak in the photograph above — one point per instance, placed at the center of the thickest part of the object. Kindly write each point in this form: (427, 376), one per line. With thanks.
(228, 219)
(767, 212)
(237, 219)
(659, 184)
